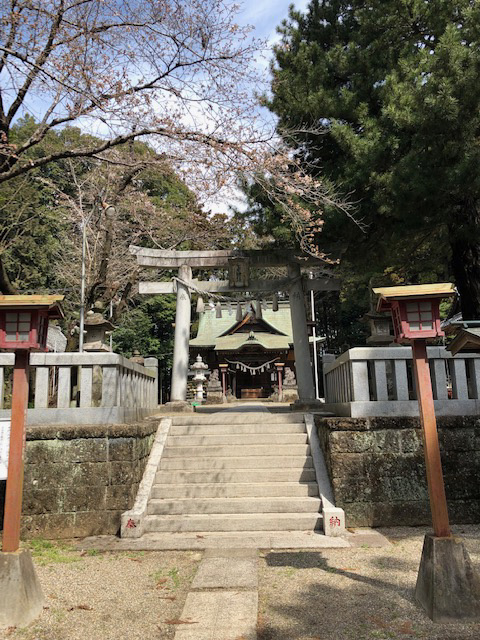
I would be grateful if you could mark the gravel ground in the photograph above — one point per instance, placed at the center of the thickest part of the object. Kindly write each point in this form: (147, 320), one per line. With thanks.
(110, 595)
(353, 594)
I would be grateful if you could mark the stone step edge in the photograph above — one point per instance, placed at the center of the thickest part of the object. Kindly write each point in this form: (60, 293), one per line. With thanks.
(248, 516)
(289, 483)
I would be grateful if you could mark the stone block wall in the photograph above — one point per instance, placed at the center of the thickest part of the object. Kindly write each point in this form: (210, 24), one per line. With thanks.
(79, 479)
(377, 468)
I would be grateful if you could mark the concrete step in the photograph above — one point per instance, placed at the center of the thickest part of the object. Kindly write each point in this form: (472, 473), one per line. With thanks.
(234, 476)
(235, 522)
(244, 417)
(189, 506)
(234, 490)
(231, 462)
(225, 451)
(236, 439)
(234, 429)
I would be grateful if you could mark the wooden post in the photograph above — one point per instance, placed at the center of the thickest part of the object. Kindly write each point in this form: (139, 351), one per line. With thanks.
(279, 366)
(223, 368)
(13, 495)
(436, 487)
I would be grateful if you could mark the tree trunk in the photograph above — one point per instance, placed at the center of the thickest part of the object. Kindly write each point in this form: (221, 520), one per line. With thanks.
(6, 286)
(465, 246)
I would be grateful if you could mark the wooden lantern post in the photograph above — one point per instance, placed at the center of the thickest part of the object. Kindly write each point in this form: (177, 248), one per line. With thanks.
(447, 586)
(416, 319)
(23, 328)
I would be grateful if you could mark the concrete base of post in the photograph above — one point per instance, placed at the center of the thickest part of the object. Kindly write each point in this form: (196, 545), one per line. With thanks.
(22, 597)
(448, 587)
(215, 397)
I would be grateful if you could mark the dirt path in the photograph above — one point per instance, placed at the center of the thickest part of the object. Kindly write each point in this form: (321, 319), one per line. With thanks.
(352, 594)
(109, 596)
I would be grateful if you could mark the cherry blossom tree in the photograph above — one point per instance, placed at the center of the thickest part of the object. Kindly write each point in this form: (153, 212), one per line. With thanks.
(180, 74)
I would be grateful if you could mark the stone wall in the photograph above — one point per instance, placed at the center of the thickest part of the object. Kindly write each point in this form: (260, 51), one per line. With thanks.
(377, 468)
(79, 479)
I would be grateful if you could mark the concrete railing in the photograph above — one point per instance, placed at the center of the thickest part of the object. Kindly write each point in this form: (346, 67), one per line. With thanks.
(379, 381)
(84, 388)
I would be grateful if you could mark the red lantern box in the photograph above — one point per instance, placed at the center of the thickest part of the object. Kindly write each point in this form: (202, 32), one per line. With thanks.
(24, 320)
(415, 309)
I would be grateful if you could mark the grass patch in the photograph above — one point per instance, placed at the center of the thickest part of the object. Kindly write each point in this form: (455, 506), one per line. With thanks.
(47, 552)
(173, 574)
(166, 579)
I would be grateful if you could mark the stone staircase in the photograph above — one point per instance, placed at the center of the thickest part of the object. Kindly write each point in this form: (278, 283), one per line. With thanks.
(223, 472)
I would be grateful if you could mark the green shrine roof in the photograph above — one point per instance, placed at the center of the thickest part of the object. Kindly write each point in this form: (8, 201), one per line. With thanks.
(273, 331)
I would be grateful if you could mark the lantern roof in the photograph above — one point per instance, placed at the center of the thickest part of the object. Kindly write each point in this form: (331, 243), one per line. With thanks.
(35, 301)
(466, 341)
(412, 291)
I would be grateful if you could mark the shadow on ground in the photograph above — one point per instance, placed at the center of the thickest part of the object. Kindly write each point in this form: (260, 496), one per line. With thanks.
(347, 594)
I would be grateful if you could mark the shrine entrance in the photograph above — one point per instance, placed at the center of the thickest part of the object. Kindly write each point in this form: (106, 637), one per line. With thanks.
(250, 348)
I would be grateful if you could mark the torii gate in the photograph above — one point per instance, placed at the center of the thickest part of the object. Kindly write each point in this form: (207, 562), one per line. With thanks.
(238, 263)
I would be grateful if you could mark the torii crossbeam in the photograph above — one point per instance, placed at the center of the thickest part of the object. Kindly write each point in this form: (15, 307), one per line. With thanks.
(239, 263)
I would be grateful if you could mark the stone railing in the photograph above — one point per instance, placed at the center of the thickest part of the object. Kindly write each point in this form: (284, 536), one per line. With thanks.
(379, 381)
(84, 388)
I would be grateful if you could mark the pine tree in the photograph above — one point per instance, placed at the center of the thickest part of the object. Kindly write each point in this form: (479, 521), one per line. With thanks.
(393, 86)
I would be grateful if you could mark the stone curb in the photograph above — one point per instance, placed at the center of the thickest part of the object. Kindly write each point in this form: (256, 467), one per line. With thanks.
(333, 517)
(132, 521)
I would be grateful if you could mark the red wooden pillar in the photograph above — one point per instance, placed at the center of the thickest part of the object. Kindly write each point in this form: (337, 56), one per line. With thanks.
(436, 487)
(13, 496)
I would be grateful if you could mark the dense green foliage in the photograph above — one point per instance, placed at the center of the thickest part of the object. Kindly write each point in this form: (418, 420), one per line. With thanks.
(391, 86)
(148, 328)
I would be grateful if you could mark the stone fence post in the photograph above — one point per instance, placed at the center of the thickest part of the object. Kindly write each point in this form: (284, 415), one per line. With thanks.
(152, 365)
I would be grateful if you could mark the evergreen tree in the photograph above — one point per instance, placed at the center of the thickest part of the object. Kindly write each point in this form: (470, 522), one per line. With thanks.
(392, 86)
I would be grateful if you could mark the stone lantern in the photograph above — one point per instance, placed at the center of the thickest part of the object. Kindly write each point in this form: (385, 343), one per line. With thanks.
(199, 378)
(97, 330)
(380, 326)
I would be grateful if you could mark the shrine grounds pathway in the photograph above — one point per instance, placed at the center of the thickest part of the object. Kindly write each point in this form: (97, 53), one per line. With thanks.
(360, 592)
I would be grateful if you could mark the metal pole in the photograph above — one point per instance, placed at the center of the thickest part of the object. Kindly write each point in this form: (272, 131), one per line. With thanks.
(14, 490)
(82, 286)
(315, 352)
(433, 462)
(111, 316)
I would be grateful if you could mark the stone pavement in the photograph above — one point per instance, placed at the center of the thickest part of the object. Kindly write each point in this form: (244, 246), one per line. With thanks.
(190, 540)
(223, 601)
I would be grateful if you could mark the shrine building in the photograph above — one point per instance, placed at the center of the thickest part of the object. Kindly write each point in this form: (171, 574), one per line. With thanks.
(256, 348)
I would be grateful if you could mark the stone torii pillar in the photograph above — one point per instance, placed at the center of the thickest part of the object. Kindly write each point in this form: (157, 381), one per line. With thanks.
(301, 344)
(182, 337)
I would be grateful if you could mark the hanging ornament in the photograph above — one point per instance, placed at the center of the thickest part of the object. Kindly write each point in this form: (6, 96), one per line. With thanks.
(264, 305)
(258, 310)
(200, 305)
(229, 308)
(239, 312)
(211, 304)
(218, 310)
(275, 302)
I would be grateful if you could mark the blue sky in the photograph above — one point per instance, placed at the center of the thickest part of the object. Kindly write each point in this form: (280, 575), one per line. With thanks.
(266, 15)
